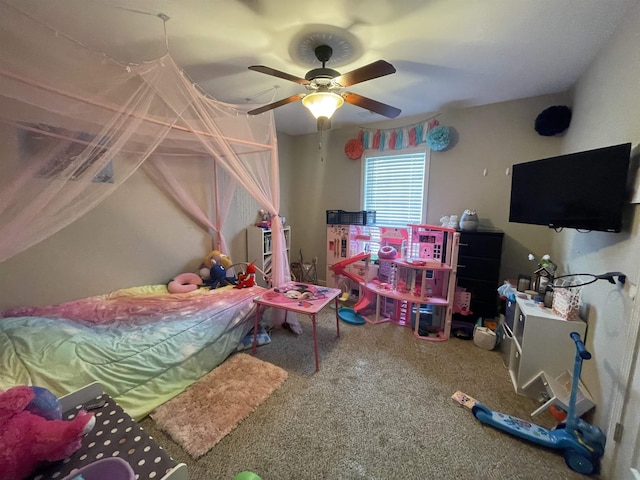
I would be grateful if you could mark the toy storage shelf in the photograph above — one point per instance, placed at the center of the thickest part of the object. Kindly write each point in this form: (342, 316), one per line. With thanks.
(259, 241)
(418, 292)
(539, 343)
(557, 391)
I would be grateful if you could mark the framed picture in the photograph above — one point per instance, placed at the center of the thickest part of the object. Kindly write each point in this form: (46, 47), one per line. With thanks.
(35, 138)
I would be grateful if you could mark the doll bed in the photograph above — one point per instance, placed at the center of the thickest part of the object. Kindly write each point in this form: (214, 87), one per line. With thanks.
(143, 345)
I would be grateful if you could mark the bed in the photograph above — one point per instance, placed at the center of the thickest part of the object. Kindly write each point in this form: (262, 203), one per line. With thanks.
(144, 345)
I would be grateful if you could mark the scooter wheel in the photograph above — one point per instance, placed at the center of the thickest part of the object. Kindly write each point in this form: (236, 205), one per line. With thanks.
(579, 462)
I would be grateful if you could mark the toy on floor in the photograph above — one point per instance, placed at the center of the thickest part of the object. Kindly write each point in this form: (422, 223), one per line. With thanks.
(582, 443)
(345, 294)
(348, 315)
(32, 431)
(262, 338)
(247, 475)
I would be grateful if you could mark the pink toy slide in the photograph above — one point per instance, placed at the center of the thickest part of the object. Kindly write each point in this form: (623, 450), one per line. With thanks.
(367, 298)
(340, 269)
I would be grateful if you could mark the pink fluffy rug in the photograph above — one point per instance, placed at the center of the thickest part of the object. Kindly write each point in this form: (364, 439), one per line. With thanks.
(209, 409)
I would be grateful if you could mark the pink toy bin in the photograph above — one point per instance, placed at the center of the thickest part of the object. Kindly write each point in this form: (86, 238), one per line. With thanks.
(113, 468)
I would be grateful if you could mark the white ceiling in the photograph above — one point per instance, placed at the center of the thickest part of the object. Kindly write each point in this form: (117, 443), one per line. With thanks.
(447, 53)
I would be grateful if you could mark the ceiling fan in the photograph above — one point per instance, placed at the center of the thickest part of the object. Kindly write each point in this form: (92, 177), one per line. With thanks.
(324, 87)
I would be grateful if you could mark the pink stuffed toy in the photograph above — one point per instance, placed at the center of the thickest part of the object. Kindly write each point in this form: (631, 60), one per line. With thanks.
(28, 439)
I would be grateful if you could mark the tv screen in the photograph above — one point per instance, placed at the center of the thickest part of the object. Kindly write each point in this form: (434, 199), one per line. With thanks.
(584, 190)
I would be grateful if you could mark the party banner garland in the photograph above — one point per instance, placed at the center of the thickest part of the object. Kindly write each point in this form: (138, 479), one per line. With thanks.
(430, 132)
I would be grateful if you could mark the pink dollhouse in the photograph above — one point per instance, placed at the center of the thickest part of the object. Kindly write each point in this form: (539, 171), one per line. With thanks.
(416, 288)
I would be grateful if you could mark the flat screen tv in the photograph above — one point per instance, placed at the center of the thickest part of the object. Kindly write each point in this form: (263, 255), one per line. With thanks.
(584, 190)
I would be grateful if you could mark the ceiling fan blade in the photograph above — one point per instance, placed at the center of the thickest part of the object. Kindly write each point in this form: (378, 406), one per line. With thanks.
(371, 105)
(368, 72)
(279, 74)
(279, 103)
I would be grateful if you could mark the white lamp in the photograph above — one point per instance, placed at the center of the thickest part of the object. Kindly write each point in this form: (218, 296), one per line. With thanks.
(322, 105)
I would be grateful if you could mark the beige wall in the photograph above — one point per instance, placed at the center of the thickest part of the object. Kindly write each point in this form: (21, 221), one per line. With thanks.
(606, 112)
(322, 179)
(492, 137)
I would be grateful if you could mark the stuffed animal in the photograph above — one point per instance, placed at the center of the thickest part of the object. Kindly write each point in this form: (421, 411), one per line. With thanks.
(218, 277)
(216, 257)
(184, 283)
(264, 220)
(213, 270)
(248, 278)
(28, 439)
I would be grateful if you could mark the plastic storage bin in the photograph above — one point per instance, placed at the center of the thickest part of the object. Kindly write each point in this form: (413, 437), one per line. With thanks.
(333, 217)
(340, 217)
(112, 468)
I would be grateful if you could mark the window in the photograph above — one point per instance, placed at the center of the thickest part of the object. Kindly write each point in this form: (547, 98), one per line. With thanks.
(394, 185)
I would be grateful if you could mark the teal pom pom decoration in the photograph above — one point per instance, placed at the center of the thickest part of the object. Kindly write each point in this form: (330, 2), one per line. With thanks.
(438, 138)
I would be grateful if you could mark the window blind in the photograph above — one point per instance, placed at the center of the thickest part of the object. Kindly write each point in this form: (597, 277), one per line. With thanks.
(394, 186)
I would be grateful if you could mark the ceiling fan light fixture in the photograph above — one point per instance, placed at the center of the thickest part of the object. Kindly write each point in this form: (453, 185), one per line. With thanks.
(322, 104)
(324, 123)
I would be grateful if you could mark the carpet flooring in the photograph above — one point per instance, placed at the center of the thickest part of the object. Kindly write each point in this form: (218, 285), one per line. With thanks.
(379, 408)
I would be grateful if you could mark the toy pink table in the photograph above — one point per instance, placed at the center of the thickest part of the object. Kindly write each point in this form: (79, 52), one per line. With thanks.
(299, 298)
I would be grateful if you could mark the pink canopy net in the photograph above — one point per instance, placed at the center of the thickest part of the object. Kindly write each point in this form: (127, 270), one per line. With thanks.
(75, 124)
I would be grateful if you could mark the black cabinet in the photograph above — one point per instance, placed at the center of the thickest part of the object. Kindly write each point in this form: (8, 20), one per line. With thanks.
(479, 270)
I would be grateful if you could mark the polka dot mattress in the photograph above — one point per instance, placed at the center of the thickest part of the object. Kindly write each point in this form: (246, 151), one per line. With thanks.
(115, 434)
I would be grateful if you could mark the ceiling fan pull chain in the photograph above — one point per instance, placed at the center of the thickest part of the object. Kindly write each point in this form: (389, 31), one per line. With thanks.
(320, 146)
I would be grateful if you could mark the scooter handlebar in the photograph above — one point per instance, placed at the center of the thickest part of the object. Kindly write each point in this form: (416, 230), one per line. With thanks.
(582, 350)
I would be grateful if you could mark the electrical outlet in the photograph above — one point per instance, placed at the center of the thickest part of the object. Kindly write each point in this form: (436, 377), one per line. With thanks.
(633, 290)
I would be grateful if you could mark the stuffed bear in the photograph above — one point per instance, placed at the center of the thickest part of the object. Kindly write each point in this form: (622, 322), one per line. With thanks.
(28, 439)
